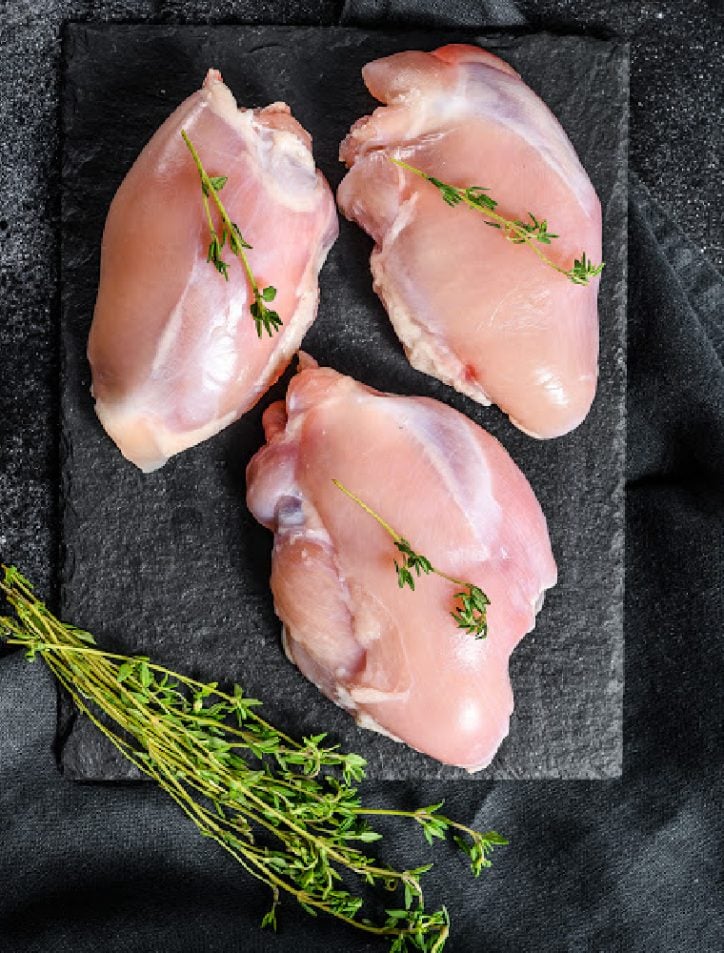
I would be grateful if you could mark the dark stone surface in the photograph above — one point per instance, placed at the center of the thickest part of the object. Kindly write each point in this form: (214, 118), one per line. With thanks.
(172, 564)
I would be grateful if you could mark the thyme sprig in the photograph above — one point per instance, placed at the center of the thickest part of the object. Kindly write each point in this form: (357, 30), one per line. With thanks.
(530, 232)
(265, 319)
(471, 604)
(287, 812)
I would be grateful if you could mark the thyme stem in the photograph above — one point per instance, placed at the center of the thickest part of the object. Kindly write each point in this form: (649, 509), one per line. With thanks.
(397, 537)
(515, 230)
(235, 776)
(470, 612)
(264, 318)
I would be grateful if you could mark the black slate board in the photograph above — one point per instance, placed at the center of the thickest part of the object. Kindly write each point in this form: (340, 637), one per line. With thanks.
(172, 564)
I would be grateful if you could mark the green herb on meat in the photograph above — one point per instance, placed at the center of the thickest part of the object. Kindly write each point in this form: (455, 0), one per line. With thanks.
(264, 318)
(470, 602)
(530, 232)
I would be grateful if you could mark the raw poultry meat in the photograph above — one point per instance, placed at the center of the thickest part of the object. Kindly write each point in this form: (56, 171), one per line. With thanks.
(470, 307)
(393, 658)
(173, 348)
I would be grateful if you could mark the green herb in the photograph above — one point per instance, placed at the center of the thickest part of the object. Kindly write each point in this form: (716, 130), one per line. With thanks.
(264, 318)
(288, 812)
(517, 231)
(471, 603)
(583, 270)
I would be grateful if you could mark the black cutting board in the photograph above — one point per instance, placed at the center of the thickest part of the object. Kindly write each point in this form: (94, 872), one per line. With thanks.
(172, 564)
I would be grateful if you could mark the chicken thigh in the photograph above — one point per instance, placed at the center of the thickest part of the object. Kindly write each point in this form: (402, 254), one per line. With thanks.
(173, 347)
(470, 307)
(395, 658)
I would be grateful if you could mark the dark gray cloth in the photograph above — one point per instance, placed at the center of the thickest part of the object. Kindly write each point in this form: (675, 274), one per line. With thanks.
(630, 865)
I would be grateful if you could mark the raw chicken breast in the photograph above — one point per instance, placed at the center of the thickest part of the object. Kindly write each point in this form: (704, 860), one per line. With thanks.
(173, 348)
(395, 659)
(471, 308)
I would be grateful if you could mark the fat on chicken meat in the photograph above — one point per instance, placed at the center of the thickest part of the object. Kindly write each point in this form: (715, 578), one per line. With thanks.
(393, 658)
(173, 348)
(471, 308)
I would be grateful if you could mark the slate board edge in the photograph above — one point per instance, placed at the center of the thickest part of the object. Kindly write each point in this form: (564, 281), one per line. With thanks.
(73, 29)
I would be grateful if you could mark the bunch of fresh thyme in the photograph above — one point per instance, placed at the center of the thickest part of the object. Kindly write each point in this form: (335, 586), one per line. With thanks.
(471, 603)
(517, 231)
(287, 812)
(264, 318)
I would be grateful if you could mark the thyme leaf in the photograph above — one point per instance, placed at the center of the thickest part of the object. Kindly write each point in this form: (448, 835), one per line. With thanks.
(583, 270)
(471, 611)
(265, 319)
(411, 562)
(287, 811)
(530, 232)
(470, 602)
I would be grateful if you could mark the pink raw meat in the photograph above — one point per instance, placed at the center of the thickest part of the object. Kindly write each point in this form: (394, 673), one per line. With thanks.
(471, 308)
(393, 658)
(173, 348)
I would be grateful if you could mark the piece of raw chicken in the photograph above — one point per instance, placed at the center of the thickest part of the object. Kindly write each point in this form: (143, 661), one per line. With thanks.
(173, 347)
(393, 658)
(471, 308)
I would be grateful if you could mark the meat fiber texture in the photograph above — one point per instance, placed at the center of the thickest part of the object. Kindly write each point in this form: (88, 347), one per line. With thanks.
(173, 347)
(471, 308)
(394, 658)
